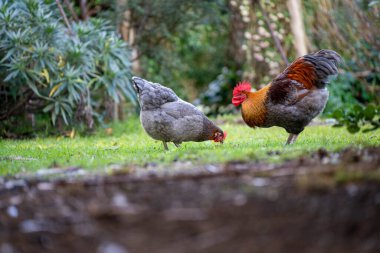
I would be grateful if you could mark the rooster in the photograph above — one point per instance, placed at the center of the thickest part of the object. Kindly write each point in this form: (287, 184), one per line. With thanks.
(293, 98)
(167, 118)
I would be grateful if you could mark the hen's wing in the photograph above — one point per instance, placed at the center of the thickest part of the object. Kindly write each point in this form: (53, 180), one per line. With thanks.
(180, 109)
(187, 120)
(305, 74)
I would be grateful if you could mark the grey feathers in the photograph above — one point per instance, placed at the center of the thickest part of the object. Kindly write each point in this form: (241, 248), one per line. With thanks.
(295, 117)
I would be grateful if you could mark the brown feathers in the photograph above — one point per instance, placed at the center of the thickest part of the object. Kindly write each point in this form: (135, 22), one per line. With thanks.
(303, 72)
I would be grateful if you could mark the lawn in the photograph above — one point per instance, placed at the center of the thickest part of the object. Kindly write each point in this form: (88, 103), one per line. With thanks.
(128, 144)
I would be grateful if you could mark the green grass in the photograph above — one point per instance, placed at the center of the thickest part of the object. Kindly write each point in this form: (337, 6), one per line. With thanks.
(130, 145)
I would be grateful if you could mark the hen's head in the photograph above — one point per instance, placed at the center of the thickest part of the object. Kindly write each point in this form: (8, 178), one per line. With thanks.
(219, 136)
(240, 92)
(139, 84)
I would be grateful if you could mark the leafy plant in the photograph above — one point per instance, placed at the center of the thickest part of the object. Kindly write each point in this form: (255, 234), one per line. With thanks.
(47, 69)
(358, 117)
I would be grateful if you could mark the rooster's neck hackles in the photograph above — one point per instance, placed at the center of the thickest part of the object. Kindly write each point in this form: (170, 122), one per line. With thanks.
(253, 108)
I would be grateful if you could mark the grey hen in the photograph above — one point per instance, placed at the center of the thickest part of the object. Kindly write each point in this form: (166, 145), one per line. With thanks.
(168, 118)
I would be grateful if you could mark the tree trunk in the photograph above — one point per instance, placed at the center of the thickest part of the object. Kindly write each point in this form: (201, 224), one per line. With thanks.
(298, 29)
(129, 35)
(83, 9)
(274, 37)
(236, 36)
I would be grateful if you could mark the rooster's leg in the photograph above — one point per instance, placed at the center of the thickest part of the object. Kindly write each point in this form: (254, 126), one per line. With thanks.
(177, 145)
(294, 138)
(291, 139)
(165, 145)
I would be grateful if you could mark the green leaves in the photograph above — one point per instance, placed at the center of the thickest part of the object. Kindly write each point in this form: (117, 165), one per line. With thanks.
(358, 117)
(370, 112)
(66, 73)
(60, 107)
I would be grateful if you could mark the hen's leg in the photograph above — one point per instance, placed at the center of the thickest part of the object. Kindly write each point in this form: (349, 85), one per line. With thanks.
(291, 139)
(177, 145)
(165, 145)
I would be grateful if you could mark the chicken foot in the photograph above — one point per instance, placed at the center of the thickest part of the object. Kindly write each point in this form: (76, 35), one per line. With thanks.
(291, 139)
(177, 145)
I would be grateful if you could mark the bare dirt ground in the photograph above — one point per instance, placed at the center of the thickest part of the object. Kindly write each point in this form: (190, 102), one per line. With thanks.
(326, 202)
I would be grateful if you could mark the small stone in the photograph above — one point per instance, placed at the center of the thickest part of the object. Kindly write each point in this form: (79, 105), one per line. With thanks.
(12, 211)
(45, 186)
(15, 200)
(111, 247)
(352, 190)
(120, 200)
(212, 168)
(259, 182)
(30, 226)
(14, 183)
(240, 200)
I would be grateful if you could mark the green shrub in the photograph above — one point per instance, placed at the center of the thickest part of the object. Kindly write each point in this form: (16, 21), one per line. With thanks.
(357, 117)
(179, 43)
(45, 69)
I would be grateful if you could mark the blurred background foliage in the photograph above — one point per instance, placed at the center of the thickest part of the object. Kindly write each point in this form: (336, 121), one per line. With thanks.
(64, 75)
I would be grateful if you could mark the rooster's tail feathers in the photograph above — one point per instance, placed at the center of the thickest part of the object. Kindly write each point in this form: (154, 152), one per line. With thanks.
(329, 55)
(313, 70)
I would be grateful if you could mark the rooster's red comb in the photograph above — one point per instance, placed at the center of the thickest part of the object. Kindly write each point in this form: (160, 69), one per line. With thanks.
(242, 86)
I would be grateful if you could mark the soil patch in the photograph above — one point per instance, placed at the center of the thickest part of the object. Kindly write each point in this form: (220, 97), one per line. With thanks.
(326, 202)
